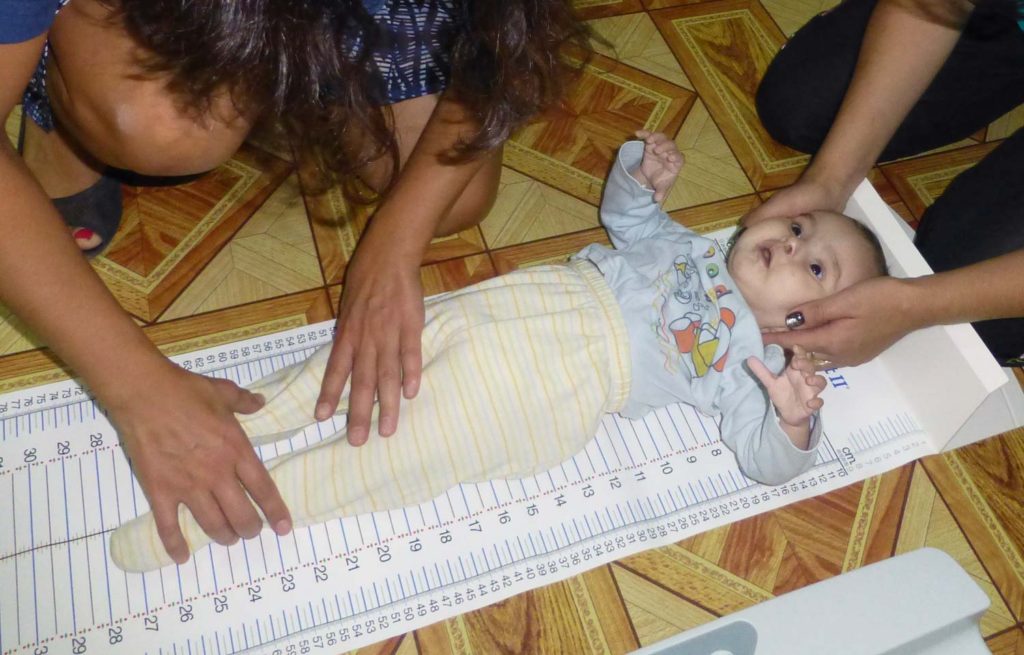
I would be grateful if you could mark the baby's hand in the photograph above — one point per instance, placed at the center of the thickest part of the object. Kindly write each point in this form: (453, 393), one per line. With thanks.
(794, 393)
(661, 164)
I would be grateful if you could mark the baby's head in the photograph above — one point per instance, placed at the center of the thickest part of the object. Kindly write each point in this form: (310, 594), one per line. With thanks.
(779, 263)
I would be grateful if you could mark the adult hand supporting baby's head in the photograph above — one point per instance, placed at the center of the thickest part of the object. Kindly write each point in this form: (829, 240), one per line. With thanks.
(805, 195)
(854, 325)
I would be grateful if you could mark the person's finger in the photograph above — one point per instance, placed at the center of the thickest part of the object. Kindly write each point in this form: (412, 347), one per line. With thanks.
(761, 212)
(412, 360)
(257, 481)
(248, 402)
(642, 134)
(240, 513)
(822, 361)
(339, 367)
(815, 403)
(815, 382)
(761, 372)
(802, 363)
(240, 399)
(813, 339)
(817, 313)
(361, 396)
(210, 517)
(389, 387)
(663, 148)
(165, 515)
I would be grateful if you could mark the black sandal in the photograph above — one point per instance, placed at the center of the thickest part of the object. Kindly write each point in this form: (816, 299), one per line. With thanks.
(97, 208)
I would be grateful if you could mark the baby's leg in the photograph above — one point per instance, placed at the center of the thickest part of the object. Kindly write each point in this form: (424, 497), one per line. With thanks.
(291, 394)
(513, 384)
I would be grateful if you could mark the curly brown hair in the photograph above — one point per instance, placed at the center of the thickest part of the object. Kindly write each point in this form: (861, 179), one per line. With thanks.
(304, 66)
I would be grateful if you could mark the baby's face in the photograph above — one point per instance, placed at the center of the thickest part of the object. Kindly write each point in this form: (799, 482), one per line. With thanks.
(779, 263)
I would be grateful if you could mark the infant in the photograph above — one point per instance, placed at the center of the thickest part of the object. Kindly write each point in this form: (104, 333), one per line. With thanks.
(518, 370)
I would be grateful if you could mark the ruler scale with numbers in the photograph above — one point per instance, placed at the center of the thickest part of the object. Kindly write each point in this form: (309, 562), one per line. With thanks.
(65, 484)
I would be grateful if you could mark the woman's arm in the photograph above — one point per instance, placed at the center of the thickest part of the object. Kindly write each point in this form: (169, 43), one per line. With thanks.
(905, 44)
(856, 324)
(380, 319)
(178, 429)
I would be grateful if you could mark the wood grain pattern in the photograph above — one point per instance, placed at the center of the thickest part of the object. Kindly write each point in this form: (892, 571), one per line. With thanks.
(708, 218)
(1008, 642)
(634, 39)
(208, 330)
(1004, 126)
(790, 15)
(588, 9)
(725, 47)
(711, 172)
(527, 210)
(337, 226)
(988, 537)
(273, 254)
(12, 123)
(168, 234)
(548, 251)
(920, 181)
(571, 146)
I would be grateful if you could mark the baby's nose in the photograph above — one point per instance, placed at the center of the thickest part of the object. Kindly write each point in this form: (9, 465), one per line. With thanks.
(789, 245)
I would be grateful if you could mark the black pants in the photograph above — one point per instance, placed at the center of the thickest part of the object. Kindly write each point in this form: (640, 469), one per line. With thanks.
(981, 214)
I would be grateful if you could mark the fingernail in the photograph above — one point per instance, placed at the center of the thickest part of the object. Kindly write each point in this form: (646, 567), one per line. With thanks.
(323, 412)
(411, 390)
(387, 426)
(283, 527)
(357, 438)
(794, 320)
(83, 233)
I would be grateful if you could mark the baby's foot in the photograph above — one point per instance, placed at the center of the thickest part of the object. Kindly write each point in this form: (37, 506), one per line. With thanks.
(661, 164)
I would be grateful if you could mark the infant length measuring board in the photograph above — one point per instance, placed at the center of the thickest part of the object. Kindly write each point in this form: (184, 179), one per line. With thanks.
(64, 485)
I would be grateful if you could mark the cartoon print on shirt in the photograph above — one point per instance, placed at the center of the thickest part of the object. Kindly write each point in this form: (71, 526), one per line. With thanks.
(706, 345)
(699, 329)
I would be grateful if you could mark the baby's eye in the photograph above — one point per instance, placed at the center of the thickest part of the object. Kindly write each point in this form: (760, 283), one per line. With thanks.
(817, 271)
(796, 229)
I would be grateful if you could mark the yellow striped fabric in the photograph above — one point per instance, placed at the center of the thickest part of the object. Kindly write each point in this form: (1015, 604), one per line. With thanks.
(517, 372)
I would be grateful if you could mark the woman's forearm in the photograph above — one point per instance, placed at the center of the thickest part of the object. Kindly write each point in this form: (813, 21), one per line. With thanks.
(46, 281)
(905, 44)
(428, 185)
(987, 290)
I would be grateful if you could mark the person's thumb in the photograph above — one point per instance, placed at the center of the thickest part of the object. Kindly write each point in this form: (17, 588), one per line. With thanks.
(812, 314)
(247, 402)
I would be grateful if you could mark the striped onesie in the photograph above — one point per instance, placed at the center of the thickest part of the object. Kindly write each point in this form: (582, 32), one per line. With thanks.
(518, 371)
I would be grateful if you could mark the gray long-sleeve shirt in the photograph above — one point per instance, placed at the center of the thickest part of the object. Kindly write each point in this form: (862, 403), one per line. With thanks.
(690, 330)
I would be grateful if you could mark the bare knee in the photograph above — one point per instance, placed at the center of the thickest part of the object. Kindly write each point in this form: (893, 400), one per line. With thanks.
(469, 208)
(157, 141)
(124, 116)
(179, 149)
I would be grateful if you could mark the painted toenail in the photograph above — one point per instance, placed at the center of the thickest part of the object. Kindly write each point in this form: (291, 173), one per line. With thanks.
(83, 233)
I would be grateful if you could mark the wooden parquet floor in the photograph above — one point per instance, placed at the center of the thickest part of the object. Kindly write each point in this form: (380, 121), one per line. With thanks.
(241, 251)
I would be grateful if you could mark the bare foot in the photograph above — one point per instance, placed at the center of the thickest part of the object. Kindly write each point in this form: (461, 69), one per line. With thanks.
(62, 169)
